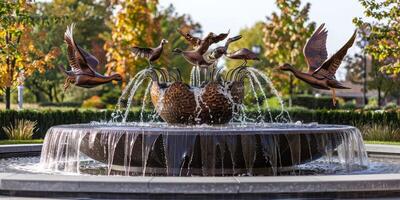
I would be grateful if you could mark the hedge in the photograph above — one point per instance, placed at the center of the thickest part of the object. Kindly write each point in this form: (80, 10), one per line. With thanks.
(312, 102)
(48, 118)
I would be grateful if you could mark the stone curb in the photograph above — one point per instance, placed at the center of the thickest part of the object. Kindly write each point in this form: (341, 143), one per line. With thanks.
(379, 184)
(20, 148)
(200, 185)
(24, 148)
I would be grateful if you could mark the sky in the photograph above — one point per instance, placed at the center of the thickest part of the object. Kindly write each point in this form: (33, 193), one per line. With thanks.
(221, 15)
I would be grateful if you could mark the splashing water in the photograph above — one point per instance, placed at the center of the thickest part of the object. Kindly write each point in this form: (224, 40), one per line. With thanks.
(195, 78)
(252, 77)
(130, 89)
(275, 92)
(144, 101)
(134, 149)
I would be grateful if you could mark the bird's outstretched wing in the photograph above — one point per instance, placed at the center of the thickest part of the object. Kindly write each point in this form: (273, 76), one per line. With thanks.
(68, 39)
(142, 52)
(219, 37)
(330, 66)
(90, 59)
(194, 41)
(77, 57)
(315, 49)
(210, 39)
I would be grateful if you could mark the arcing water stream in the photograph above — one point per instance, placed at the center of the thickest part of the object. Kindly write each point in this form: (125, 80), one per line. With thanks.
(241, 147)
(234, 149)
(256, 85)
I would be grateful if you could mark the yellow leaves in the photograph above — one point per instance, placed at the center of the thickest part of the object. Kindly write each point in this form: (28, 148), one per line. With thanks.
(31, 47)
(133, 26)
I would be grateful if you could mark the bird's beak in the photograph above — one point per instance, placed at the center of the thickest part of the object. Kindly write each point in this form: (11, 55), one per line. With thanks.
(277, 68)
(166, 41)
(237, 38)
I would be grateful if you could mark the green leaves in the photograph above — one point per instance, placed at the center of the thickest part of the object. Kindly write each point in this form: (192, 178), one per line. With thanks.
(384, 38)
(285, 34)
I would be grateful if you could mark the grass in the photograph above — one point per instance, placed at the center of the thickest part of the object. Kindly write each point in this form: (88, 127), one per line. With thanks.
(380, 132)
(21, 130)
(382, 142)
(33, 141)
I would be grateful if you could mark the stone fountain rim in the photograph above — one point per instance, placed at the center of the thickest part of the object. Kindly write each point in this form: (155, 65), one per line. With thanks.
(361, 186)
(207, 129)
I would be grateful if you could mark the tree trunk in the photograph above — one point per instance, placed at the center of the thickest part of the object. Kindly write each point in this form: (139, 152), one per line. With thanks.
(8, 97)
(290, 89)
(379, 97)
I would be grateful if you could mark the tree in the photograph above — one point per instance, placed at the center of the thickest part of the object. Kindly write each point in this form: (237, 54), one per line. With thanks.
(17, 50)
(169, 22)
(285, 34)
(139, 23)
(383, 33)
(134, 24)
(251, 37)
(89, 17)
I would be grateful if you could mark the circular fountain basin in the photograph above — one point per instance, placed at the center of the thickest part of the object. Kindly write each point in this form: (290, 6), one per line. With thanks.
(174, 150)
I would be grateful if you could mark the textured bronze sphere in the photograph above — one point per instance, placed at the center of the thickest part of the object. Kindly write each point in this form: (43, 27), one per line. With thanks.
(176, 103)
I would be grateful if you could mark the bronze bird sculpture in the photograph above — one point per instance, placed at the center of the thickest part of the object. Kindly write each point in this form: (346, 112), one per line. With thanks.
(193, 57)
(151, 54)
(222, 50)
(202, 45)
(83, 65)
(243, 54)
(321, 71)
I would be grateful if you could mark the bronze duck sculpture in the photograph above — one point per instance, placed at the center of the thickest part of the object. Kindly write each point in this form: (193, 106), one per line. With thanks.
(243, 54)
(193, 57)
(151, 54)
(196, 56)
(202, 45)
(83, 65)
(321, 73)
(222, 50)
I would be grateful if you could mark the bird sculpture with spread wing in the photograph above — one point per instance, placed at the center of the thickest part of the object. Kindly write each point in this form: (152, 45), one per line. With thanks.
(151, 54)
(200, 47)
(223, 50)
(83, 65)
(321, 70)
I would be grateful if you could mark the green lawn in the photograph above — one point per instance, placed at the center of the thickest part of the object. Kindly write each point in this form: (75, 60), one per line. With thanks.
(382, 142)
(35, 141)
(39, 141)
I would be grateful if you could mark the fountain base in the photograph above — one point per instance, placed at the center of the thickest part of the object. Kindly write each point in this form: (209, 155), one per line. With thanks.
(233, 149)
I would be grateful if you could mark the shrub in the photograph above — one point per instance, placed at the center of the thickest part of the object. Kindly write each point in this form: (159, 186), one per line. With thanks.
(47, 118)
(348, 105)
(380, 132)
(21, 130)
(93, 102)
(111, 97)
(308, 101)
(60, 104)
(390, 106)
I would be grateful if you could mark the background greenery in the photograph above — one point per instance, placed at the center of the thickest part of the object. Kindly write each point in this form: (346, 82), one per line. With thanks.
(48, 118)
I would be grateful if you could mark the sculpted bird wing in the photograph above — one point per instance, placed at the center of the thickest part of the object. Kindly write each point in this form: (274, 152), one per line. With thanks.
(194, 41)
(77, 57)
(220, 37)
(330, 66)
(142, 52)
(210, 39)
(91, 60)
(315, 49)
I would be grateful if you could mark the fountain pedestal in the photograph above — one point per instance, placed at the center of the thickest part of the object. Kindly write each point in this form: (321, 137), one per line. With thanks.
(233, 149)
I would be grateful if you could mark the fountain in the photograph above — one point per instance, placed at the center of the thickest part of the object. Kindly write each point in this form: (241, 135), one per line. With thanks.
(206, 129)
